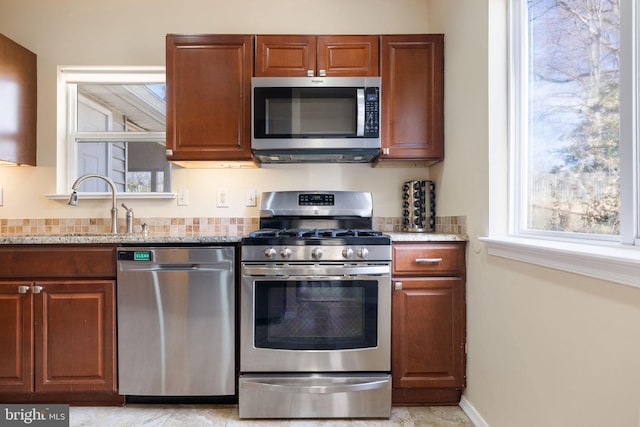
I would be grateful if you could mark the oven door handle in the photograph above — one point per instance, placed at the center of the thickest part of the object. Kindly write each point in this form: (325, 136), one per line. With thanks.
(314, 272)
(276, 384)
(328, 278)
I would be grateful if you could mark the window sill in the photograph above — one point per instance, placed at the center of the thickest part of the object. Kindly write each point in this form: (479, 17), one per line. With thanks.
(607, 261)
(129, 196)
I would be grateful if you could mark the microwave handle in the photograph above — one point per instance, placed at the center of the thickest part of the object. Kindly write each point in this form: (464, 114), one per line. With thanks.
(360, 118)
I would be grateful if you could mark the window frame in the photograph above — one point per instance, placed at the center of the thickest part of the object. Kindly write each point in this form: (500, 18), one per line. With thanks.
(629, 117)
(614, 259)
(67, 138)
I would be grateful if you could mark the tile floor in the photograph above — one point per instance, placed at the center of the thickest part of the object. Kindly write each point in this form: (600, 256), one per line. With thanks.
(147, 415)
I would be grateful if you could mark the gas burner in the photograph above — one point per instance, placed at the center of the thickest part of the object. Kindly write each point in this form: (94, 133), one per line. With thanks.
(298, 232)
(265, 232)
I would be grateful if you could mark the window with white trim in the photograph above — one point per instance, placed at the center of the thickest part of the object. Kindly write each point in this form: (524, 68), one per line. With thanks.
(114, 125)
(574, 97)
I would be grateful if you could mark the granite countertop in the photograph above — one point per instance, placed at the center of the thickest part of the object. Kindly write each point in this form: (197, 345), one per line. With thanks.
(89, 239)
(426, 237)
(94, 239)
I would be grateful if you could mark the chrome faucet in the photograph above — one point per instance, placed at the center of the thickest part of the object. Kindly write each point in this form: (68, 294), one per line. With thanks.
(73, 198)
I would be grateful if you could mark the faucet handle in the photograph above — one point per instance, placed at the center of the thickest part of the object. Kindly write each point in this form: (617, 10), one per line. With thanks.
(129, 219)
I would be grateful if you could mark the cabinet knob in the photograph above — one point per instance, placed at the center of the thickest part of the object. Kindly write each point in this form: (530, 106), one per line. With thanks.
(385, 151)
(398, 286)
(310, 73)
(36, 289)
(322, 73)
(23, 289)
(169, 153)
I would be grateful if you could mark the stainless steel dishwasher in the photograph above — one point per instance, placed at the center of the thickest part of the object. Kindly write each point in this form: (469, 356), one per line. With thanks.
(176, 321)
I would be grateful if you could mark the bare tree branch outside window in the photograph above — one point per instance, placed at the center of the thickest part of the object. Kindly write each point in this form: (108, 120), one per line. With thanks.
(574, 115)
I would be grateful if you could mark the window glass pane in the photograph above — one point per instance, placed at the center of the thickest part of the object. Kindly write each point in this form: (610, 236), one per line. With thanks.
(133, 107)
(316, 315)
(137, 166)
(573, 116)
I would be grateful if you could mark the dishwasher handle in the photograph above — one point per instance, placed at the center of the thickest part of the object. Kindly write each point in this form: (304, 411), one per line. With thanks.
(219, 266)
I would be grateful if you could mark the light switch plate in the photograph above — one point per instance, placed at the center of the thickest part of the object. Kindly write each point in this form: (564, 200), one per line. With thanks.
(222, 199)
(183, 197)
(251, 198)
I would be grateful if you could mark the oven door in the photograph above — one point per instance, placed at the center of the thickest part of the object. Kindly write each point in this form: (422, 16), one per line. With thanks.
(318, 323)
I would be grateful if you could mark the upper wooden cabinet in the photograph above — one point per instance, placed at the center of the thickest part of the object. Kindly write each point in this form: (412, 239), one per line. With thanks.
(209, 97)
(412, 94)
(18, 70)
(304, 55)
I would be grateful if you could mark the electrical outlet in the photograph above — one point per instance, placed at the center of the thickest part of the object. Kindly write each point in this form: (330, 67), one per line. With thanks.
(251, 198)
(223, 198)
(183, 197)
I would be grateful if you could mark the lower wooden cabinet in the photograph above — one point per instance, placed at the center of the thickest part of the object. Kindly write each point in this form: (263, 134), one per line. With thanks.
(16, 336)
(58, 336)
(428, 323)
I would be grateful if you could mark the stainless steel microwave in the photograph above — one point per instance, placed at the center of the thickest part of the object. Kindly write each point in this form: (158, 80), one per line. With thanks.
(315, 119)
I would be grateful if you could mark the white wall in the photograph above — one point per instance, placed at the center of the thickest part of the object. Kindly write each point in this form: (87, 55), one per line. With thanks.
(545, 348)
(120, 32)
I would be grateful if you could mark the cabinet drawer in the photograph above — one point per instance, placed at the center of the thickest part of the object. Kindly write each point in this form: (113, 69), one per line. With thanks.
(62, 261)
(428, 259)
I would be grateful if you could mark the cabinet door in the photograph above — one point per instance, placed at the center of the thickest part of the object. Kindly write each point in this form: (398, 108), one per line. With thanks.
(428, 333)
(412, 94)
(285, 56)
(347, 56)
(75, 336)
(16, 338)
(208, 97)
(303, 55)
(18, 72)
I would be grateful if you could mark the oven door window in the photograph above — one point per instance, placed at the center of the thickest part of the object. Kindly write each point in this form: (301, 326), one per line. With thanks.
(305, 112)
(316, 315)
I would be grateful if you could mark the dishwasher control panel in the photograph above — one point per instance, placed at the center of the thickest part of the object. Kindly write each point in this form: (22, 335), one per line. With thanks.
(135, 255)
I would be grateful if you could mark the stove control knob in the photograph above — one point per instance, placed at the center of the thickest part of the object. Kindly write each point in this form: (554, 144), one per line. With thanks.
(285, 253)
(362, 252)
(270, 253)
(347, 253)
(316, 253)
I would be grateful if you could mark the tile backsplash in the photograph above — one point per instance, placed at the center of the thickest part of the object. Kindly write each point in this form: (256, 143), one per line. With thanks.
(445, 224)
(206, 226)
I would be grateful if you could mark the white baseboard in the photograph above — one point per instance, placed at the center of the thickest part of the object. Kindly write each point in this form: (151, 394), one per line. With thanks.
(471, 412)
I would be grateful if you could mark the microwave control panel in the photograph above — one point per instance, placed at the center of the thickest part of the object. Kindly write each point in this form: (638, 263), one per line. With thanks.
(372, 112)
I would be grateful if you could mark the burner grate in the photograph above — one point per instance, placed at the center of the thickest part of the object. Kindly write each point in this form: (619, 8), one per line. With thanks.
(315, 232)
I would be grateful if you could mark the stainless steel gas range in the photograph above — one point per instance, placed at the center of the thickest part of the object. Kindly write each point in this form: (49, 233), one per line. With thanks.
(315, 309)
